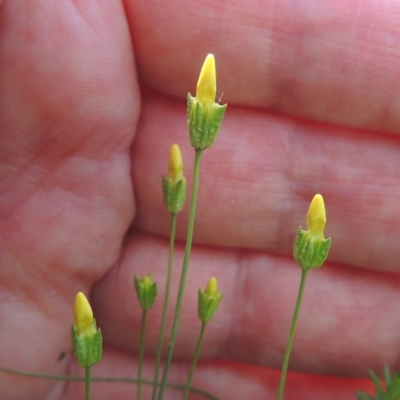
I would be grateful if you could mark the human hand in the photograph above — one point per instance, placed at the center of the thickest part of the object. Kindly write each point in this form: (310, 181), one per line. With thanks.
(313, 107)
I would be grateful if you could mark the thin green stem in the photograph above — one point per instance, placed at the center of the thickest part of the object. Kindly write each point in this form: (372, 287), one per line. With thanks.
(71, 378)
(166, 302)
(291, 335)
(194, 362)
(87, 383)
(141, 354)
(189, 239)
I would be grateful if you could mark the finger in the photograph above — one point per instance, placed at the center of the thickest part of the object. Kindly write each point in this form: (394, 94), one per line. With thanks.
(252, 322)
(221, 379)
(258, 180)
(332, 61)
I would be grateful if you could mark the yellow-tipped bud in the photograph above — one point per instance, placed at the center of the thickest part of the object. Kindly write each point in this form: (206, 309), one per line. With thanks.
(207, 83)
(174, 186)
(209, 300)
(146, 291)
(316, 216)
(204, 114)
(310, 247)
(86, 338)
(83, 314)
(212, 287)
(175, 167)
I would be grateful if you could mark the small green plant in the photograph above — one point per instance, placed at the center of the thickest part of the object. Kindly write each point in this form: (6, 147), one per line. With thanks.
(87, 341)
(391, 391)
(310, 250)
(209, 300)
(146, 291)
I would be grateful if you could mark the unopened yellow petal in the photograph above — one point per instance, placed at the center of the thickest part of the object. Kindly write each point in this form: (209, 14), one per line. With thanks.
(175, 167)
(83, 314)
(207, 84)
(212, 287)
(316, 216)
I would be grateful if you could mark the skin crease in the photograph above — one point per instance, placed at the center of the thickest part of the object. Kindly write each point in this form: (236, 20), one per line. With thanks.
(92, 97)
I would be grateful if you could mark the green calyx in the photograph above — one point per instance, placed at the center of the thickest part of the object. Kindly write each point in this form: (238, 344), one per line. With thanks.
(309, 250)
(88, 345)
(146, 291)
(174, 194)
(204, 122)
(208, 304)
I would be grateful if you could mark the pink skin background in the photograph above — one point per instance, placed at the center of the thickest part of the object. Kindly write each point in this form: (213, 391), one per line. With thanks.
(92, 96)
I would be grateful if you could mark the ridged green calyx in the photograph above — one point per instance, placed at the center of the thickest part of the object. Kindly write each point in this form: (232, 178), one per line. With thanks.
(174, 186)
(204, 114)
(146, 291)
(209, 300)
(310, 247)
(87, 341)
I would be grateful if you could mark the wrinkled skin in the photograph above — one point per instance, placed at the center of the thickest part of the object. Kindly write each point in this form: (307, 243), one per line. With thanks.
(92, 97)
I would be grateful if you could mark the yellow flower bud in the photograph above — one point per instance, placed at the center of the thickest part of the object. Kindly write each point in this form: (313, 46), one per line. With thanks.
(83, 314)
(175, 167)
(207, 83)
(174, 186)
(310, 248)
(147, 281)
(212, 287)
(146, 291)
(209, 300)
(204, 114)
(316, 216)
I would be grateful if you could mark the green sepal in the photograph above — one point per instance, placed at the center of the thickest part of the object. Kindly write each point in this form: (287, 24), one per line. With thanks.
(88, 346)
(146, 291)
(174, 194)
(203, 122)
(208, 304)
(310, 251)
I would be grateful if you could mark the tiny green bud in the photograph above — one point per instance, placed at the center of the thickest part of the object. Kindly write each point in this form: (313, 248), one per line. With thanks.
(209, 300)
(87, 341)
(146, 291)
(310, 248)
(174, 186)
(204, 114)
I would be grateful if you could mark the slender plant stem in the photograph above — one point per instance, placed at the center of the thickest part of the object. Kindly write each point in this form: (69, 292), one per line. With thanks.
(87, 383)
(194, 362)
(166, 302)
(141, 354)
(71, 378)
(189, 239)
(291, 334)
